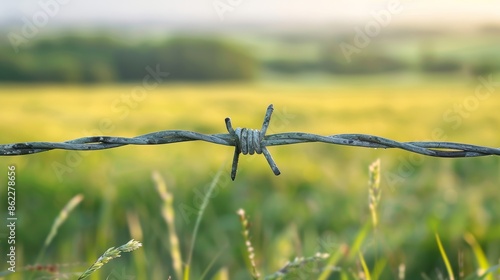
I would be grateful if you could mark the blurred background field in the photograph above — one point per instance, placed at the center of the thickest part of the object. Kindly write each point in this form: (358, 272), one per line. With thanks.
(319, 203)
(427, 74)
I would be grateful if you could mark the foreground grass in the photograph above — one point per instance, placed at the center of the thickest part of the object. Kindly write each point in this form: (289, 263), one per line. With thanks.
(318, 204)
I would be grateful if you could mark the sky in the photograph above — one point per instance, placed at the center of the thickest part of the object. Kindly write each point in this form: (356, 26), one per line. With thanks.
(459, 13)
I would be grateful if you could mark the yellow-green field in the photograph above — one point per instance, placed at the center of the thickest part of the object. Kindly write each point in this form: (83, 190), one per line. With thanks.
(318, 204)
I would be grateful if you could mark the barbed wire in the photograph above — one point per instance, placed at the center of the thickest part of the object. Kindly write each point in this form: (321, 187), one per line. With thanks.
(251, 141)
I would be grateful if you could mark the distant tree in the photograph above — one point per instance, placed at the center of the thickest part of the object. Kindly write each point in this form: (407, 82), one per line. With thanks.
(11, 71)
(484, 67)
(429, 62)
(291, 66)
(370, 61)
(444, 65)
(206, 59)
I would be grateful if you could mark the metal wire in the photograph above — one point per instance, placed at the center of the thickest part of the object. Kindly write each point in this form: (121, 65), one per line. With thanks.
(250, 141)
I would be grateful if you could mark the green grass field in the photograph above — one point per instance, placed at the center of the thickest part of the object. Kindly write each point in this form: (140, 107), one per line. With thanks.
(318, 204)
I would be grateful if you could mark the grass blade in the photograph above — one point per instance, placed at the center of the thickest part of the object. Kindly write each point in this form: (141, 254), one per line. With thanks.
(167, 211)
(135, 229)
(366, 271)
(63, 215)
(378, 269)
(356, 245)
(211, 264)
(475, 276)
(482, 261)
(445, 258)
(204, 204)
(335, 257)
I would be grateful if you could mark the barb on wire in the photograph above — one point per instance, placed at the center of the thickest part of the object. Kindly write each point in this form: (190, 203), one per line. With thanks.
(250, 141)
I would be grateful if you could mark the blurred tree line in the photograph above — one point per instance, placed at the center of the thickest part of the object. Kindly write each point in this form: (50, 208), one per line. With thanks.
(377, 60)
(77, 59)
(101, 59)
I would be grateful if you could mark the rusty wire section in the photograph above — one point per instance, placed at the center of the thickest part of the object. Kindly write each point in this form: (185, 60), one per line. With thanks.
(250, 141)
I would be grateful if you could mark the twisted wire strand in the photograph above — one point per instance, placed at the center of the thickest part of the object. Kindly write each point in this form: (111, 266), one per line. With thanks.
(251, 141)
